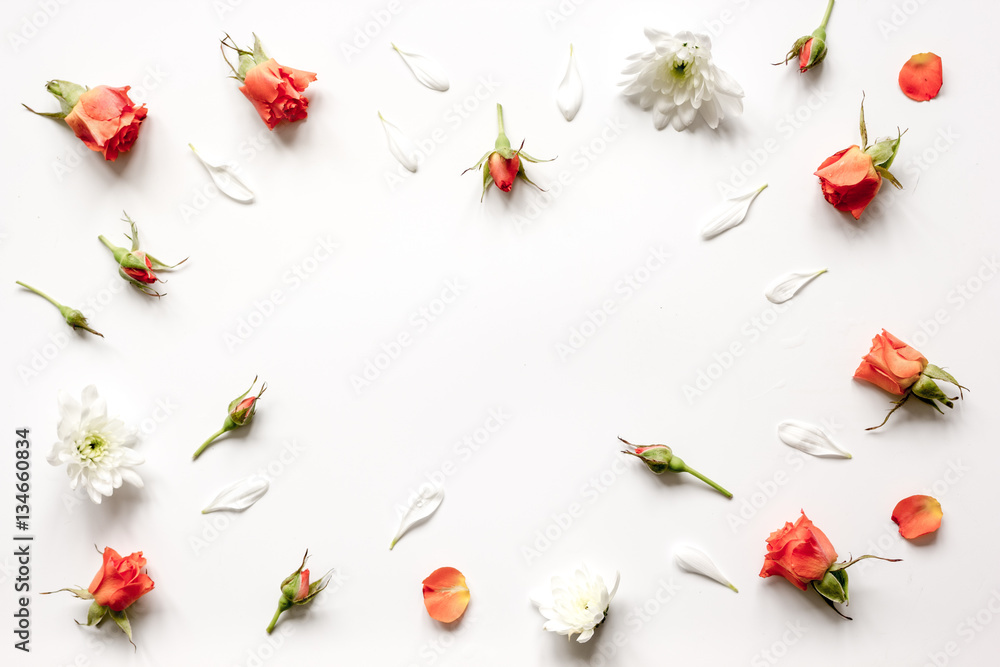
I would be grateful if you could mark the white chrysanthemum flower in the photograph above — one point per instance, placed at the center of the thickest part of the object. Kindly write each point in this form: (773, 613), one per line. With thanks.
(94, 448)
(579, 604)
(677, 80)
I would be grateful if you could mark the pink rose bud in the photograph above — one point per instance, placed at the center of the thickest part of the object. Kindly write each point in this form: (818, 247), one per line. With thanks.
(296, 590)
(810, 50)
(241, 411)
(502, 164)
(137, 266)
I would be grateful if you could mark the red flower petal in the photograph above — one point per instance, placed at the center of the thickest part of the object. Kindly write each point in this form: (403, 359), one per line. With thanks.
(445, 594)
(920, 78)
(917, 515)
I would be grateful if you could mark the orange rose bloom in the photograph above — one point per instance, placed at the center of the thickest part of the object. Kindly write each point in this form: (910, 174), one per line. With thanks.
(107, 120)
(849, 180)
(800, 553)
(276, 92)
(891, 364)
(120, 582)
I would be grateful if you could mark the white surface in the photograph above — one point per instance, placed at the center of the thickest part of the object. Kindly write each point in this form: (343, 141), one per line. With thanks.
(529, 269)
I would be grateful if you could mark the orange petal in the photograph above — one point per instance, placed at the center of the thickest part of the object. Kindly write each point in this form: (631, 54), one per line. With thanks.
(445, 594)
(917, 515)
(920, 79)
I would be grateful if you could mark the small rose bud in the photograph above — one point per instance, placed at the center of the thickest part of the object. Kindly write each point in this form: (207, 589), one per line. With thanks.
(73, 317)
(241, 412)
(660, 459)
(503, 165)
(296, 590)
(137, 266)
(810, 50)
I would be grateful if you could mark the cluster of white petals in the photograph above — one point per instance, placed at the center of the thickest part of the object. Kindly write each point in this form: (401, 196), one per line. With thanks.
(678, 81)
(95, 449)
(579, 604)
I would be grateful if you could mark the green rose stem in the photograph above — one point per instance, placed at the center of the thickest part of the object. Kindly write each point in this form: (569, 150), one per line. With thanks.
(660, 458)
(73, 317)
(826, 18)
(283, 605)
(225, 428)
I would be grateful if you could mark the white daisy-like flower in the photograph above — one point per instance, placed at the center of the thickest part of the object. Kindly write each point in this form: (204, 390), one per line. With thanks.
(677, 80)
(94, 448)
(579, 604)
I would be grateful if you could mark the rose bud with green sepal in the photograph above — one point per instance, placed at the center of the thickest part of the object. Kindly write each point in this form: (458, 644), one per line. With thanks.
(241, 412)
(810, 50)
(137, 266)
(660, 459)
(296, 590)
(503, 164)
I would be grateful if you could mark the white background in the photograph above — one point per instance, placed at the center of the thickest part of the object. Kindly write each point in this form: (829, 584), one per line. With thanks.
(530, 267)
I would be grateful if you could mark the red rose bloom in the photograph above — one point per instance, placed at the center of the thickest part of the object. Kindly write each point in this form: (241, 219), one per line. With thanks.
(276, 92)
(146, 276)
(849, 180)
(106, 120)
(120, 581)
(799, 552)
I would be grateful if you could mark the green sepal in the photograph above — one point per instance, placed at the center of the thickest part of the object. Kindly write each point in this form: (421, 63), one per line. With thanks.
(160, 266)
(259, 55)
(96, 613)
(81, 593)
(527, 157)
(938, 373)
(524, 176)
(68, 94)
(831, 586)
(315, 588)
(121, 620)
(795, 50)
(486, 180)
(888, 176)
(864, 128)
(925, 388)
(77, 320)
(247, 63)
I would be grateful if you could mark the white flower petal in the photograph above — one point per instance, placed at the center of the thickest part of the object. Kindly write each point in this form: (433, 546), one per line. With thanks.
(422, 507)
(404, 150)
(569, 96)
(785, 287)
(225, 178)
(239, 495)
(697, 561)
(427, 71)
(732, 215)
(810, 439)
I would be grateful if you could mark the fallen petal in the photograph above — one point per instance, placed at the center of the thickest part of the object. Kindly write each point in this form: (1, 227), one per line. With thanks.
(446, 594)
(427, 71)
(697, 561)
(404, 150)
(785, 287)
(422, 507)
(810, 439)
(225, 178)
(921, 77)
(732, 215)
(239, 496)
(569, 96)
(917, 515)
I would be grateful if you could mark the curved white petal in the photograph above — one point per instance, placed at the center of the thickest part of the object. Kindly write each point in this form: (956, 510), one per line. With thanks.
(733, 214)
(239, 495)
(225, 178)
(569, 96)
(404, 150)
(697, 561)
(427, 71)
(422, 507)
(810, 439)
(785, 287)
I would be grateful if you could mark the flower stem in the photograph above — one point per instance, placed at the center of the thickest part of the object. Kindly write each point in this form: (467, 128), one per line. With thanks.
(826, 17)
(274, 620)
(41, 294)
(208, 442)
(708, 481)
(500, 117)
(111, 246)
